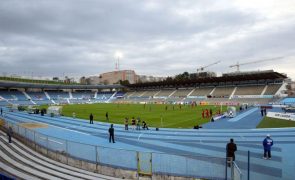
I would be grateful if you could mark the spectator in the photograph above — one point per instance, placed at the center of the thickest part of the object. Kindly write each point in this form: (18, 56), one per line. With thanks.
(197, 127)
(91, 118)
(144, 125)
(261, 111)
(138, 123)
(203, 114)
(207, 113)
(112, 134)
(133, 123)
(231, 147)
(267, 143)
(107, 116)
(9, 134)
(126, 123)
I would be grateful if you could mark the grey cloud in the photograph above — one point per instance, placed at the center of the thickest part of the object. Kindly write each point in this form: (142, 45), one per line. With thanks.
(81, 37)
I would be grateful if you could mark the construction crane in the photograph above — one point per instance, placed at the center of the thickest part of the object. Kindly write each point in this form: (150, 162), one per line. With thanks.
(253, 62)
(203, 67)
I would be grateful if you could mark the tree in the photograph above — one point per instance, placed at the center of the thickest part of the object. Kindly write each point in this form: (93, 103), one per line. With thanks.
(125, 82)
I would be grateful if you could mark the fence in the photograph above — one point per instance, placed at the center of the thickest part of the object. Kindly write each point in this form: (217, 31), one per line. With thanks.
(144, 163)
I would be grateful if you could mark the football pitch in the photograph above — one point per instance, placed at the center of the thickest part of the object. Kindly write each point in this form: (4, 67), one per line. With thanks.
(155, 115)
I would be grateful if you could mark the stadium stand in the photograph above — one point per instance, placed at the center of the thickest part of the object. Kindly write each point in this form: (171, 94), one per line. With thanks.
(23, 163)
(253, 87)
(182, 93)
(165, 93)
(13, 95)
(83, 94)
(202, 91)
(272, 89)
(222, 92)
(150, 93)
(136, 94)
(249, 90)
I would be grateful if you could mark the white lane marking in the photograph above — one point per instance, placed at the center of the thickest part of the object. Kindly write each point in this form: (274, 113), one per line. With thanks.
(139, 136)
(60, 127)
(55, 141)
(242, 137)
(241, 116)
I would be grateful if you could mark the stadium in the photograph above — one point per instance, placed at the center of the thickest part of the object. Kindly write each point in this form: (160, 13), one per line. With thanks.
(172, 147)
(147, 90)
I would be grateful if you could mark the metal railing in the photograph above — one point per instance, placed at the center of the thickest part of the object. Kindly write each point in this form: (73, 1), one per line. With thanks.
(146, 163)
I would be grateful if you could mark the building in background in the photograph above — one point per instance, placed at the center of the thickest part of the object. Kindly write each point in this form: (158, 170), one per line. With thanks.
(145, 78)
(115, 77)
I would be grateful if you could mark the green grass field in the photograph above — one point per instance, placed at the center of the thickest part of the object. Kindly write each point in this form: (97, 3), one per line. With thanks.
(268, 122)
(155, 115)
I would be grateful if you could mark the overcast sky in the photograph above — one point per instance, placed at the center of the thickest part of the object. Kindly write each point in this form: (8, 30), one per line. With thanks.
(160, 38)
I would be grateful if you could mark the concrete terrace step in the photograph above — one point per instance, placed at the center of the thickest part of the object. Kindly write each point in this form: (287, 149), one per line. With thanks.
(37, 168)
(45, 164)
(17, 173)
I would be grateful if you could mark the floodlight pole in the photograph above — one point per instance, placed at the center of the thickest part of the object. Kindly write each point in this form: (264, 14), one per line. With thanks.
(118, 63)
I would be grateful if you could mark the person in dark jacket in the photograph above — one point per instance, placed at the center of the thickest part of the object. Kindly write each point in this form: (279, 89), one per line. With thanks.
(91, 118)
(126, 123)
(144, 126)
(112, 133)
(267, 143)
(9, 134)
(107, 116)
(231, 148)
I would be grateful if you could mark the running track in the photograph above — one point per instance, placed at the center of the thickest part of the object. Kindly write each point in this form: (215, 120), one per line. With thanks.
(202, 143)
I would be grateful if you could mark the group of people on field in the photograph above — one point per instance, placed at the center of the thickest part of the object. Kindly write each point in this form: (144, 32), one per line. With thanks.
(135, 123)
(206, 113)
(91, 117)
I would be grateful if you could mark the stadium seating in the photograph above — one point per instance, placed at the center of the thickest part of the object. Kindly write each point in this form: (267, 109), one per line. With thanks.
(150, 93)
(165, 93)
(83, 95)
(182, 93)
(202, 91)
(13, 95)
(55, 95)
(37, 96)
(272, 89)
(249, 90)
(22, 162)
(222, 92)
